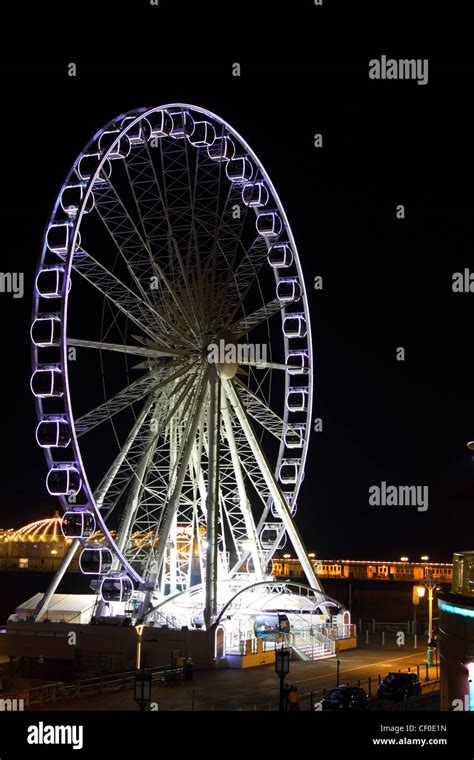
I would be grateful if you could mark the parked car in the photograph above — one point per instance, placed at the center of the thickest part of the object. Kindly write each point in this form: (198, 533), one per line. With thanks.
(345, 698)
(399, 686)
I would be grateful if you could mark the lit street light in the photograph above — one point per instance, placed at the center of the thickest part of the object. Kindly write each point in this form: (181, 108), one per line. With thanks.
(420, 592)
(139, 630)
(431, 644)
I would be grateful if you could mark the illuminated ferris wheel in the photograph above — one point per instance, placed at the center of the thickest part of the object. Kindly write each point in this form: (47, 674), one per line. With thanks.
(172, 362)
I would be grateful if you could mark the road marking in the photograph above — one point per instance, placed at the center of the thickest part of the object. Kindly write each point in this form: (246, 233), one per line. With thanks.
(300, 680)
(360, 667)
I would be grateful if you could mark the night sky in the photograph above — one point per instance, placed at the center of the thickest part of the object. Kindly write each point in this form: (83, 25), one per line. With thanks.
(387, 282)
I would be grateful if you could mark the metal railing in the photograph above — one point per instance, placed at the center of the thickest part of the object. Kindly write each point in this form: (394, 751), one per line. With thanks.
(309, 700)
(235, 642)
(346, 631)
(317, 640)
(60, 691)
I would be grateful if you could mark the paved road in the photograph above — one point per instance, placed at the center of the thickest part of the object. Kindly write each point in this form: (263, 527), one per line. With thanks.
(256, 688)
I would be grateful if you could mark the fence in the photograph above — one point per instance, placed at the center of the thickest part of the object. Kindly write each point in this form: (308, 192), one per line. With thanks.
(407, 626)
(428, 676)
(56, 692)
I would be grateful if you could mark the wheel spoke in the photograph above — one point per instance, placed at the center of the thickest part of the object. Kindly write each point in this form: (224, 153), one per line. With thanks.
(274, 488)
(177, 477)
(260, 411)
(150, 353)
(263, 314)
(126, 397)
(122, 297)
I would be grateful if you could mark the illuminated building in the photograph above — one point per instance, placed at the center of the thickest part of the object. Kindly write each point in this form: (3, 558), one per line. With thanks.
(38, 546)
(41, 545)
(456, 636)
(361, 569)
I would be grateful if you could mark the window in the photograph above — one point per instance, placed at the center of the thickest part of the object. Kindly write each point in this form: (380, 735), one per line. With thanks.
(23, 562)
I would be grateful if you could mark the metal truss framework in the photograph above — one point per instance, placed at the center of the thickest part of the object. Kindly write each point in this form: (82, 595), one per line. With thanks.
(169, 225)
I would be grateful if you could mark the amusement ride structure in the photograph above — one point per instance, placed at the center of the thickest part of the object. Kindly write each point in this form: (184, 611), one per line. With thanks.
(172, 372)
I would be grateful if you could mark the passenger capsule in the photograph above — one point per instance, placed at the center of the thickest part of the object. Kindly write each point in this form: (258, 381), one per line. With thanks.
(288, 290)
(49, 282)
(239, 170)
(269, 536)
(280, 256)
(294, 436)
(269, 224)
(160, 123)
(78, 524)
(222, 149)
(88, 165)
(47, 383)
(288, 473)
(46, 331)
(288, 496)
(58, 238)
(95, 561)
(71, 200)
(64, 480)
(294, 326)
(140, 133)
(297, 362)
(297, 399)
(117, 144)
(272, 626)
(182, 124)
(255, 194)
(116, 588)
(51, 434)
(203, 134)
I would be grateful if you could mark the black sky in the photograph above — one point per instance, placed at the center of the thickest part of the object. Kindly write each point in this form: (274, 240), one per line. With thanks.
(387, 283)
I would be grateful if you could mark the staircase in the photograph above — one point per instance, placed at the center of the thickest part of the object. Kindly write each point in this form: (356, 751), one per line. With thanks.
(312, 646)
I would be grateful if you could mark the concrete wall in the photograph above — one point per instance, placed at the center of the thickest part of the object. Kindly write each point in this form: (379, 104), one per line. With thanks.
(158, 644)
(346, 644)
(116, 644)
(250, 660)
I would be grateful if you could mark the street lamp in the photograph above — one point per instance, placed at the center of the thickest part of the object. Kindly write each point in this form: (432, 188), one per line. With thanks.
(282, 668)
(430, 586)
(431, 644)
(142, 688)
(418, 593)
(139, 630)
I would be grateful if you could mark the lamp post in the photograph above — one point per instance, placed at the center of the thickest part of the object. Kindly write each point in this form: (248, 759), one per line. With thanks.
(139, 630)
(142, 689)
(431, 644)
(420, 590)
(418, 593)
(282, 668)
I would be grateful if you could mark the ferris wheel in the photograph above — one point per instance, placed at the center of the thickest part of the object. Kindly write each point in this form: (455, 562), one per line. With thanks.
(172, 361)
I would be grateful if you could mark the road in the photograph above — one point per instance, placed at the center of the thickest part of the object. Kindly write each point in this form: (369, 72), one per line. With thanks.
(257, 688)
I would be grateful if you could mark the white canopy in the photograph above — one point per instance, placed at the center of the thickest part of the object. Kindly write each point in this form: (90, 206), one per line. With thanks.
(71, 608)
